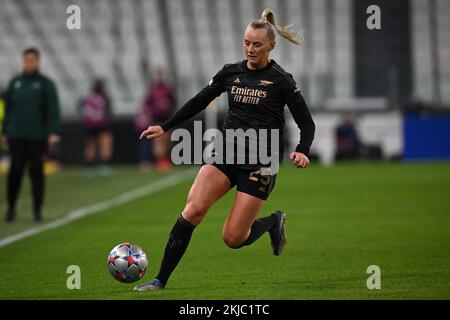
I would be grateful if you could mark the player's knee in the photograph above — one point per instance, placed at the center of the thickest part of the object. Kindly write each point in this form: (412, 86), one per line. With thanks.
(194, 212)
(232, 240)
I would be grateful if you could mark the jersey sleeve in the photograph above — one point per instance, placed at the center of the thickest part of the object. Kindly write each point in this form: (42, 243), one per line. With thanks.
(301, 114)
(8, 106)
(53, 112)
(199, 102)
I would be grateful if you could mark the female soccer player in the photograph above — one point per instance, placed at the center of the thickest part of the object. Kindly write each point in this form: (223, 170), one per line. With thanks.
(264, 89)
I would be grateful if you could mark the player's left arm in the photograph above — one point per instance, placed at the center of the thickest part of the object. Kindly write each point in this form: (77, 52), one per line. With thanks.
(302, 117)
(53, 114)
(194, 106)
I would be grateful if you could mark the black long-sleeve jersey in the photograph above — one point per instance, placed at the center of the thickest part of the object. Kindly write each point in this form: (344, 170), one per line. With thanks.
(256, 100)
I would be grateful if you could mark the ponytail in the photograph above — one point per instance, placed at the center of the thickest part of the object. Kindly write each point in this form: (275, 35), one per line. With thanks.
(267, 21)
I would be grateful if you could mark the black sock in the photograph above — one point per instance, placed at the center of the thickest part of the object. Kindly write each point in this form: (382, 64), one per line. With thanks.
(176, 246)
(259, 227)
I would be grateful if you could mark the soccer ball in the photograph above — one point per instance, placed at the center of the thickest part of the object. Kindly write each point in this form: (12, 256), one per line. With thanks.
(127, 262)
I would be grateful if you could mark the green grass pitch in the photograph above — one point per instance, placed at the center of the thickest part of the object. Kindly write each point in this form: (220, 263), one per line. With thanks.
(340, 220)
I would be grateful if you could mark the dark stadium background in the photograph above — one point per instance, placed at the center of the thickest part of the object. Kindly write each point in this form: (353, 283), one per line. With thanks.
(343, 65)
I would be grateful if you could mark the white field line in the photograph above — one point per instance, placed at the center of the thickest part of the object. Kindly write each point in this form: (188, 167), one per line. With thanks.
(148, 189)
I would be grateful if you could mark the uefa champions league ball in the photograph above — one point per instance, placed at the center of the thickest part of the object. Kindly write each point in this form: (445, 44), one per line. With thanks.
(127, 262)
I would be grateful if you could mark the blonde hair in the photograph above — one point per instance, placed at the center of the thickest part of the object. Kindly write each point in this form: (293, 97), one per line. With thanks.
(267, 22)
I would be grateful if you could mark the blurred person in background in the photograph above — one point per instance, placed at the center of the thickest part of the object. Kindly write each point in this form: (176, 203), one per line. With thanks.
(31, 126)
(415, 106)
(160, 103)
(2, 145)
(96, 114)
(347, 140)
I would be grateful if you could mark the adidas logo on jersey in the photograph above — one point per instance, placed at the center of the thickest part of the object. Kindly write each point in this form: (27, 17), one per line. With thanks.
(237, 80)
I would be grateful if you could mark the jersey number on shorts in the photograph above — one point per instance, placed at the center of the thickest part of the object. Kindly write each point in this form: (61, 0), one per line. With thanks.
(263, 180)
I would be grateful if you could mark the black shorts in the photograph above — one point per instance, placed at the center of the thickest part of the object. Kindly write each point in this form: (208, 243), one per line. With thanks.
(251, 182)
(96, 131)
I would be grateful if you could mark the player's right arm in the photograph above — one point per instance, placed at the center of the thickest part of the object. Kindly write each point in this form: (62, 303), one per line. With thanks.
(194, 106)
